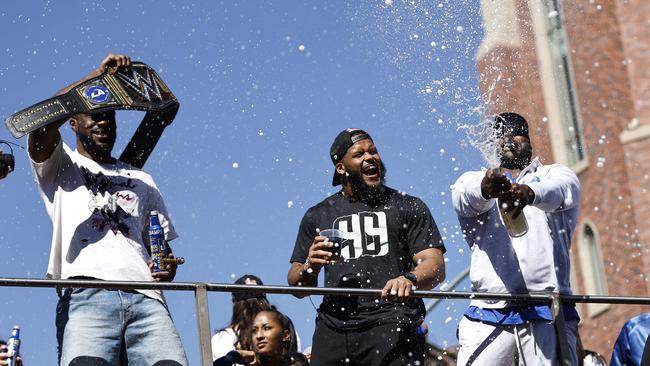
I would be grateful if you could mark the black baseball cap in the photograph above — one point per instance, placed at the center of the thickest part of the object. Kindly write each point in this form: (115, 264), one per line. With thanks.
(245, 295)
(510, 122)
(343, 141)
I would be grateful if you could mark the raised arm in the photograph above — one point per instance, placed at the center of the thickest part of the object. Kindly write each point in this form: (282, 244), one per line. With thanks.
(467, 194)
(42, 142)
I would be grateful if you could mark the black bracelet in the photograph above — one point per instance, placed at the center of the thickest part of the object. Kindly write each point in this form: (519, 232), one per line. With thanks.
(411, 277)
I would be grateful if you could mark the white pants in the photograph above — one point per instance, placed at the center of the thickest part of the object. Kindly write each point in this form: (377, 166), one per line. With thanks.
(531, 344)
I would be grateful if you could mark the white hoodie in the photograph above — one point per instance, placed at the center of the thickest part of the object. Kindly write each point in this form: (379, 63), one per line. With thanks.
(538, 261)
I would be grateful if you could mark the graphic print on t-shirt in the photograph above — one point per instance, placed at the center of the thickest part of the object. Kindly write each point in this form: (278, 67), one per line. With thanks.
(108, 201)
(366, 234)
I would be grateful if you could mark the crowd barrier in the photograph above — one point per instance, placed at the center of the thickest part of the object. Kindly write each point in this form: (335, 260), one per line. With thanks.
(201, 290)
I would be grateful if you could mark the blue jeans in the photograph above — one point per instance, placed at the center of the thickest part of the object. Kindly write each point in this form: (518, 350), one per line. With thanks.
(112, 327)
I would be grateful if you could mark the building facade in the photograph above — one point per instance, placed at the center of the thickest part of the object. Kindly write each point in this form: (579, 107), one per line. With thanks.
(579, 72)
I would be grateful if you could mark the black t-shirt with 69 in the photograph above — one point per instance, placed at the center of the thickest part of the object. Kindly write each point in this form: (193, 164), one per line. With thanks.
(382, 236)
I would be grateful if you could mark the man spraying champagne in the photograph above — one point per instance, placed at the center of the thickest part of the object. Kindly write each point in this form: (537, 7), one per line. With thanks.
(535, 260)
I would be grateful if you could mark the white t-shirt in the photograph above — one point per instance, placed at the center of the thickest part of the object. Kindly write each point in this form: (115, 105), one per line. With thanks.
(100, 217)
(223, 342)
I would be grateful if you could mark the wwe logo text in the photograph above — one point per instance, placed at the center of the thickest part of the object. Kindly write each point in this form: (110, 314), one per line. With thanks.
(142, 82)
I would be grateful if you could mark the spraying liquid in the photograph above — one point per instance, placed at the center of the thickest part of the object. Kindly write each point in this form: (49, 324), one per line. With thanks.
(483, 137)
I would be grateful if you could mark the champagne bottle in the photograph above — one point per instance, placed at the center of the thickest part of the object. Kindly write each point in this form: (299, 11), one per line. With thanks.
(516, 226)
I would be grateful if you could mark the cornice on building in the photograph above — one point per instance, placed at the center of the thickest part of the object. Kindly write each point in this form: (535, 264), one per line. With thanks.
(634, 132)
(501, 25)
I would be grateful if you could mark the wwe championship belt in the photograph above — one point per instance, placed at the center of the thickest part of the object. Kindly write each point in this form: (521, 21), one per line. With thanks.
(135, 88)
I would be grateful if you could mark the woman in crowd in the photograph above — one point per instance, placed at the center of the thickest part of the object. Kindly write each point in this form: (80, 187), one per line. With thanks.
(245, 305)
(272, 343)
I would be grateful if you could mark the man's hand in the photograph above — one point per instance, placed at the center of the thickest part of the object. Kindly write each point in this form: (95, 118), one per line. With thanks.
(495, 184)
(518, 197)
(306, 274)
(397, 289)
(4, 356)
(169, 274)
(113, 61)
(320, 254)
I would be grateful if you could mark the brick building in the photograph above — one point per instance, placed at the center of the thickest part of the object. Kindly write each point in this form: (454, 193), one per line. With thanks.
(579, 72)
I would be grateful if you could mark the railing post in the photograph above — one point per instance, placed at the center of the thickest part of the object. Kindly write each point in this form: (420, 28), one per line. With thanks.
(203, 320)
(560, 329)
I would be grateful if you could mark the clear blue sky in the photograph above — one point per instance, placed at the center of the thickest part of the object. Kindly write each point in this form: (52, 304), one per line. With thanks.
(264, 88)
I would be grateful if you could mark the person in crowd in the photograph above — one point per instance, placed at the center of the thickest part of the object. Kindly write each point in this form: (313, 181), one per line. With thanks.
(588, 357)
(298, 359)
(272, 343)
(245, 306)
(547, 196)
(5, 168)
(390, 242)
(632, 347)
(592, 358)
(4, 355)
(99, 207)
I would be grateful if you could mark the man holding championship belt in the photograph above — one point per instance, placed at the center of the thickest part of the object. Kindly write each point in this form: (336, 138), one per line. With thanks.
(99, 207)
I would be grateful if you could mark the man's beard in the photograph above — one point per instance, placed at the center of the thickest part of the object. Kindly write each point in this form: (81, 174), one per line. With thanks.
(359, 185)
(94, 148)
(519, 161)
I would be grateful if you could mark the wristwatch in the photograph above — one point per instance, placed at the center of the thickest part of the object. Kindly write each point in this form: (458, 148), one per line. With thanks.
(411, 277)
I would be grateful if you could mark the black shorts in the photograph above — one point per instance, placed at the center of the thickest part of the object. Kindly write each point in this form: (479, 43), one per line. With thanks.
(381, 345)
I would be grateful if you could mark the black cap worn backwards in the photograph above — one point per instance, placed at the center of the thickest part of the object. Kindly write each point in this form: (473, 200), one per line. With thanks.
(343, 141)
(512, 123)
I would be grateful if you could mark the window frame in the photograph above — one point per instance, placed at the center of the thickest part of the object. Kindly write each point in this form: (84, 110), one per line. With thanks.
(590, 253)
(568, 128)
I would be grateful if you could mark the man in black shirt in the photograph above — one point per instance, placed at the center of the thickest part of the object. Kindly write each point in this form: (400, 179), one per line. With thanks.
(390, 242)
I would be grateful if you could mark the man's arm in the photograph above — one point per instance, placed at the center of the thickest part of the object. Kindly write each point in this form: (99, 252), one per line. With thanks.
(429, 268)
(467, 194)
(302, 274)
(306, 274)
(42, 142)
(558, 190)
(429, 271)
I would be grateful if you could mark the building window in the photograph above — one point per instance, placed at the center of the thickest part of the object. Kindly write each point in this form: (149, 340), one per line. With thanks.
(564, 84)
(598, 272)
(593, 270)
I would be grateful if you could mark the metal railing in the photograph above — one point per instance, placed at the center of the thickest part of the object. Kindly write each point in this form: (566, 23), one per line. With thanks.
(201, 289)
